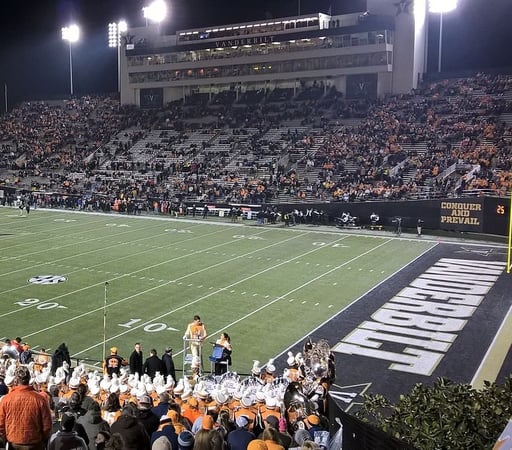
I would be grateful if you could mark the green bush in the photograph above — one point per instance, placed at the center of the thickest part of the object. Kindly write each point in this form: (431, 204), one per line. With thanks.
(446, 415)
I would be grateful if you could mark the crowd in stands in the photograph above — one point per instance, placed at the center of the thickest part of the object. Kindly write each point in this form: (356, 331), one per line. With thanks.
(139, 406)
(442, 139)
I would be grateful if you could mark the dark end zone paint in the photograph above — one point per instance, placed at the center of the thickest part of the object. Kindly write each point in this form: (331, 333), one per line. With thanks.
(461, 358)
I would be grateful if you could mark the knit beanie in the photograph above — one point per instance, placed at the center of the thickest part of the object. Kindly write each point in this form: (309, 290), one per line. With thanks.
(301, 436)
(185, 440)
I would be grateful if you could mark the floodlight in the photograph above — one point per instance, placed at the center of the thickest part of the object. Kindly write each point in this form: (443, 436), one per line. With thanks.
(114, 33)
(442, 6)
(71, 34)
(156, 11)
(115, 30)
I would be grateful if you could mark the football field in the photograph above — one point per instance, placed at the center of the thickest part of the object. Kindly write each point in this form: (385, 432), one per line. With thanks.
(95, 281)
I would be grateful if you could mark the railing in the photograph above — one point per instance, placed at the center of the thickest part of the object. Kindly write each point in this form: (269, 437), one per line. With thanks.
(447, 172)
(470, 175)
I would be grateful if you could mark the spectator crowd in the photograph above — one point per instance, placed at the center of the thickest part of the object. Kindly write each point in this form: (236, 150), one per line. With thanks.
(46, 403)
(443, 139)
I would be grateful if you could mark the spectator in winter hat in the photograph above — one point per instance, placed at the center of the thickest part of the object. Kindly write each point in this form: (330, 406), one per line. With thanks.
(301, 436)
(163, 405)
(185, 440)
(144, 414)
(100, 440)
(312, 423)
(132, 431)
(165, 435)
(93, 423)
(239, 439)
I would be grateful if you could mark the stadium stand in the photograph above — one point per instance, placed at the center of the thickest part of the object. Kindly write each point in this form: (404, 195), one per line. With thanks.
(446, 138)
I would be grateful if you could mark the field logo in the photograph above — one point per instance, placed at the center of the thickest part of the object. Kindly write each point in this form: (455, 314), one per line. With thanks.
(416, 328)
(47, 279)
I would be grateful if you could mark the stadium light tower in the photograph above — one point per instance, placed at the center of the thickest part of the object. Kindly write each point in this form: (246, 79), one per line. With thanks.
(72, 35)
(115, 31)
(156, 11)
(440, 7)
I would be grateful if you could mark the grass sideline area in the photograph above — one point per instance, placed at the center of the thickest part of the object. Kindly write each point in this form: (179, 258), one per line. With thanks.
(268, 287)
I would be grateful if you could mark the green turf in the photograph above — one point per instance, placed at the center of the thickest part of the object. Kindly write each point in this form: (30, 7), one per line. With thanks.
(268, 287)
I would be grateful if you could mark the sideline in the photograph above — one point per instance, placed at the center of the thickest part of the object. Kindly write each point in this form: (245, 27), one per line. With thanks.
(496, 354)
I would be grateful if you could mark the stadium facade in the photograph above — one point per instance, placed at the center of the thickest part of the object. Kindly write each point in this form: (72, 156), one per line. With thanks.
(367, 54)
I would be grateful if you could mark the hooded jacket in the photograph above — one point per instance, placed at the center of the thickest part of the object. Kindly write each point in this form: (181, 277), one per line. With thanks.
(93, 423)
(133, 433)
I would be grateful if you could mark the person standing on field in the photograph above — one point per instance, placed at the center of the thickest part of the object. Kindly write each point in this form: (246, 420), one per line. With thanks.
(113, 363)
(419, 225)
(153, 364)
(195, 334)
(136, 360)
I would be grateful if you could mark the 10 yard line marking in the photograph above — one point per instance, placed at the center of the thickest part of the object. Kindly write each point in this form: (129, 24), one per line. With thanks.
(242, 281)
(150, 289)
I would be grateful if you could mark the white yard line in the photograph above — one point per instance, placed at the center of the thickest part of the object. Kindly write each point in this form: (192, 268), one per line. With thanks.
(130, 274)
(81, 243)
(243, 281)
(19, 247)
(130, 256)
(150, 289)
(385, 280)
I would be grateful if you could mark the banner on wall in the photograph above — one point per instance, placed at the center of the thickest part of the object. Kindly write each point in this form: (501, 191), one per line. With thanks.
(362, 86)
(152, 98)
(461, 215)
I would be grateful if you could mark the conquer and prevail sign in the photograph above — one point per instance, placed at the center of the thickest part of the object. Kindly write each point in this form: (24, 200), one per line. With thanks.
(461, 215)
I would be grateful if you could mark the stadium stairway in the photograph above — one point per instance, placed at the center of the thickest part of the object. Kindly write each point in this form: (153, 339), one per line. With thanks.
(507, 119)
(418, 148)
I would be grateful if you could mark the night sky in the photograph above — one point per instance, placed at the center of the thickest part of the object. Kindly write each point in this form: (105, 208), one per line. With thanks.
(34, 61)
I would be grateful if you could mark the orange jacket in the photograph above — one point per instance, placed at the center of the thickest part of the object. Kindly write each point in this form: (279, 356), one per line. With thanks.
(25, 416)
(191, 414)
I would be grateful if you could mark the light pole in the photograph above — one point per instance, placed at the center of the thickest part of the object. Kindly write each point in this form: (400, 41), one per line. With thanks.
(156, 11)
(115, 30)
(105, 320)
(71, 34)
(440, 7)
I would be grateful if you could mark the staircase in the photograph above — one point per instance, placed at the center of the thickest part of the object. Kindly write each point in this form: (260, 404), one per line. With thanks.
(418, 148)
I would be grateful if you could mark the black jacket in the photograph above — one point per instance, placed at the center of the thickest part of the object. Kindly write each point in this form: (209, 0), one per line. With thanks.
(168, 364)
(136, 362)
(153, 365)
(149, 419)
(133, 433)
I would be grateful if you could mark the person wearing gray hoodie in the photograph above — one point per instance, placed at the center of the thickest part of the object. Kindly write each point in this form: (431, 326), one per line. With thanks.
(93, 423)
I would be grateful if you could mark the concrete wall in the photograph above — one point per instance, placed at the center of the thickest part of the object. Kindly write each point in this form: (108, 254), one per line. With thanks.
(409, 46)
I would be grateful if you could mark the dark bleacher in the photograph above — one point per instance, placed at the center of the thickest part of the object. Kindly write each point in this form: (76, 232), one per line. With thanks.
(442, 139)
